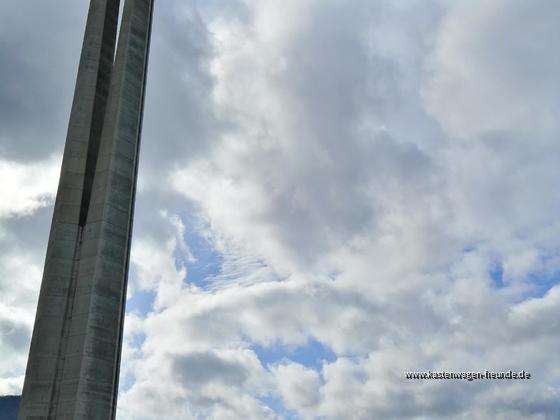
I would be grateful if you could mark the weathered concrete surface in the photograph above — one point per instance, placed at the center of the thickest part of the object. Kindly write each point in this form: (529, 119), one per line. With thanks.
(95, 337)
(74, 359)
(49, 339)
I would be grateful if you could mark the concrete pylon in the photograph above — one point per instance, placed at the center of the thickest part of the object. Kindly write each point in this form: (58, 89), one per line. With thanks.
(74, 359)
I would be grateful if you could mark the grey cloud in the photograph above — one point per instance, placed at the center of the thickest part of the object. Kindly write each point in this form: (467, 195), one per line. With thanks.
(314, 173)
(27, 232)
(179, 121)
(510, 71)
(14, 336)
(39, 52)
(517, 402)
(198, 369)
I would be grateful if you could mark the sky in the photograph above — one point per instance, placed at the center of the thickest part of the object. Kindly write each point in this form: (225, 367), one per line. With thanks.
(331, 193)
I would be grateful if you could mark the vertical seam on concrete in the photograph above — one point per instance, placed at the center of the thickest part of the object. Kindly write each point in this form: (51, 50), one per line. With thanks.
(63, 347)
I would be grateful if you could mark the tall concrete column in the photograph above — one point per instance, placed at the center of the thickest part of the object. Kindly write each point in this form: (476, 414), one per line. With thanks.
(50, 332)
(74, 359)
(92, 363)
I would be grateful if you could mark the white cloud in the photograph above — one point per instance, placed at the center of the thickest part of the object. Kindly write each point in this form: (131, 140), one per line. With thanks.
(299, 388)
(494, 60)
(325, 182)
(155, 262)
(27, 187)
(20, 276)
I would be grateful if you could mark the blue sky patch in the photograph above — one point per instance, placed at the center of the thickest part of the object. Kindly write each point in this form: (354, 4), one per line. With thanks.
(542, 282)
(276, 404)
(497, 275)
(207, 261)
(141, 301)
(312, 355)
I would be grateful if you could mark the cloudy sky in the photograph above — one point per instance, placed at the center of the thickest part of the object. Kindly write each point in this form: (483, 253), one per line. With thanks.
(331, 193)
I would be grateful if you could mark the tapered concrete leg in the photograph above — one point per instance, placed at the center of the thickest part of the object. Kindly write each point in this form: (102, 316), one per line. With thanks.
(50, 333)
(95, 338)
(74, 359)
